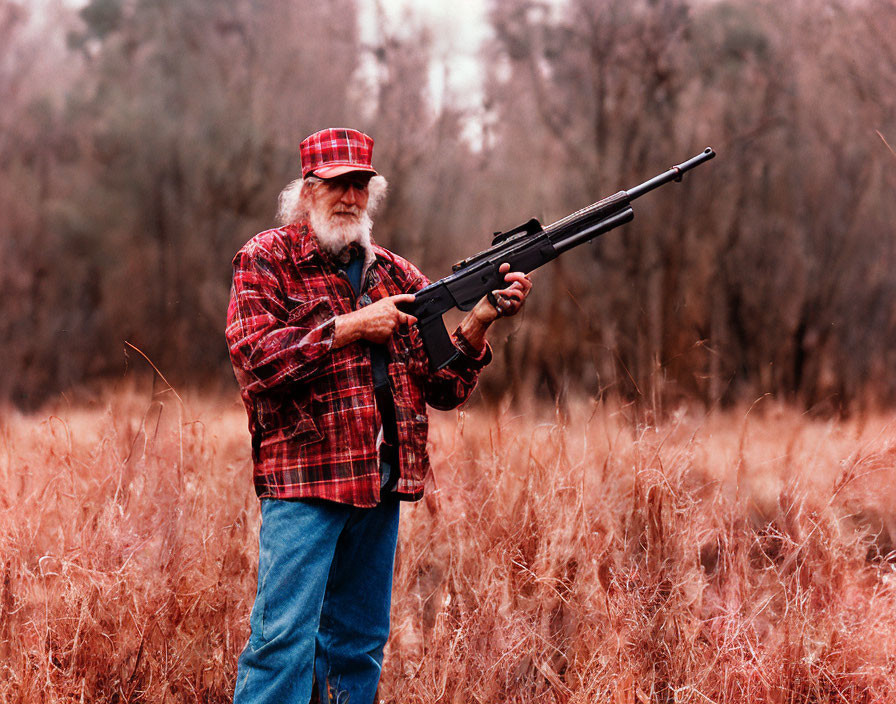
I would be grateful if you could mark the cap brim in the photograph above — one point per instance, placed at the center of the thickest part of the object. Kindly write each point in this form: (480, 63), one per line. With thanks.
(339, 170)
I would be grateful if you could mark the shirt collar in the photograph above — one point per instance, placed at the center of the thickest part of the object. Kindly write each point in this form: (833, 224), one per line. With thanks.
(306, 247)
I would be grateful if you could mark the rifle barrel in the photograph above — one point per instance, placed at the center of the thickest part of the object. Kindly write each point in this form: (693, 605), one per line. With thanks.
(673, 174)
(589, 233)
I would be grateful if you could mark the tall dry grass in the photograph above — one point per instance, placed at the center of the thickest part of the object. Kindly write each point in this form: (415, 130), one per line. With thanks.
(726, 557)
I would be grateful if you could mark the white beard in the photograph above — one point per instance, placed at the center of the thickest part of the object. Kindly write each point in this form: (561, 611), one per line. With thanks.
(334, 232)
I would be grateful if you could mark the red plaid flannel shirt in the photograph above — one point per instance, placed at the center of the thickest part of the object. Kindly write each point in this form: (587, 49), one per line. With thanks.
(312, 412)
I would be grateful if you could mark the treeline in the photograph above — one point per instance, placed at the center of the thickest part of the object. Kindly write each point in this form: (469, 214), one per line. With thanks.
(142, 142)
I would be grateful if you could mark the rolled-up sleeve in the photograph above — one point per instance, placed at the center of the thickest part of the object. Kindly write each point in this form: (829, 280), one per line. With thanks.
(274, 341)
(451, 386)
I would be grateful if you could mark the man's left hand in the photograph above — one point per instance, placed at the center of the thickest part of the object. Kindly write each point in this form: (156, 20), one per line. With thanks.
(508, 301)
(503, 303)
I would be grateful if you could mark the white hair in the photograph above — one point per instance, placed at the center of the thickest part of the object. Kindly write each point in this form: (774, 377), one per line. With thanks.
(293, 207)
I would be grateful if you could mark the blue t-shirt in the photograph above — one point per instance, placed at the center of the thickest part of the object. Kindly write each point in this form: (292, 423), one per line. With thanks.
(379, 368)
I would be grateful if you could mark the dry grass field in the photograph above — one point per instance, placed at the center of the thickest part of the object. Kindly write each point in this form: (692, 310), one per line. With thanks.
(733, 556)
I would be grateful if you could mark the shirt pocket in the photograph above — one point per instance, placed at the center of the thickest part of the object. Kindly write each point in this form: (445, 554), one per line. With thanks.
(291, 422)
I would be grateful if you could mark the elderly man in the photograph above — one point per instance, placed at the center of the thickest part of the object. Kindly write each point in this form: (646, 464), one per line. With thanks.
(335, 383)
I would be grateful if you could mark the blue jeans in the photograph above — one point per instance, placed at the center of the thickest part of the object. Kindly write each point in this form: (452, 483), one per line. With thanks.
(322, 607)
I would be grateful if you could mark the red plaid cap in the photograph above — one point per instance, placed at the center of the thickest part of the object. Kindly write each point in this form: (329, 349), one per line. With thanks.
(336, 151)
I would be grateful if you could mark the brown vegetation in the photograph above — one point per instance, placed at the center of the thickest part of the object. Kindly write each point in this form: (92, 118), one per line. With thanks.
(736, 556)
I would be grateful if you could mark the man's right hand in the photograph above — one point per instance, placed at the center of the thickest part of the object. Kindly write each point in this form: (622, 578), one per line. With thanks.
(375, 322)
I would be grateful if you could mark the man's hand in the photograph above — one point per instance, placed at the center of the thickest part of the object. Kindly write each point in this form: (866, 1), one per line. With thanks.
(508, 301)
(375, 322)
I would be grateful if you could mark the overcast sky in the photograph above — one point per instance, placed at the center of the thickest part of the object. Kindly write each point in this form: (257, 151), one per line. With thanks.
(459, 29)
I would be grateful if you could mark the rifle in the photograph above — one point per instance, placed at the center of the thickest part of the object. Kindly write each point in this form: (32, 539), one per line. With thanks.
(525, 248)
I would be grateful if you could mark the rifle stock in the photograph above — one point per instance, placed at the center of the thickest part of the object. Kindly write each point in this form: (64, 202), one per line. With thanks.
(524, 248)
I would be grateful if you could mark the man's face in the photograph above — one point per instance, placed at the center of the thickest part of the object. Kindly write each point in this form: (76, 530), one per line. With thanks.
(342, 200)
(337, 210)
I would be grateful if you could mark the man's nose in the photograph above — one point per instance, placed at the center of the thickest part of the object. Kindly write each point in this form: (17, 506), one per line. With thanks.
(350, 195)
